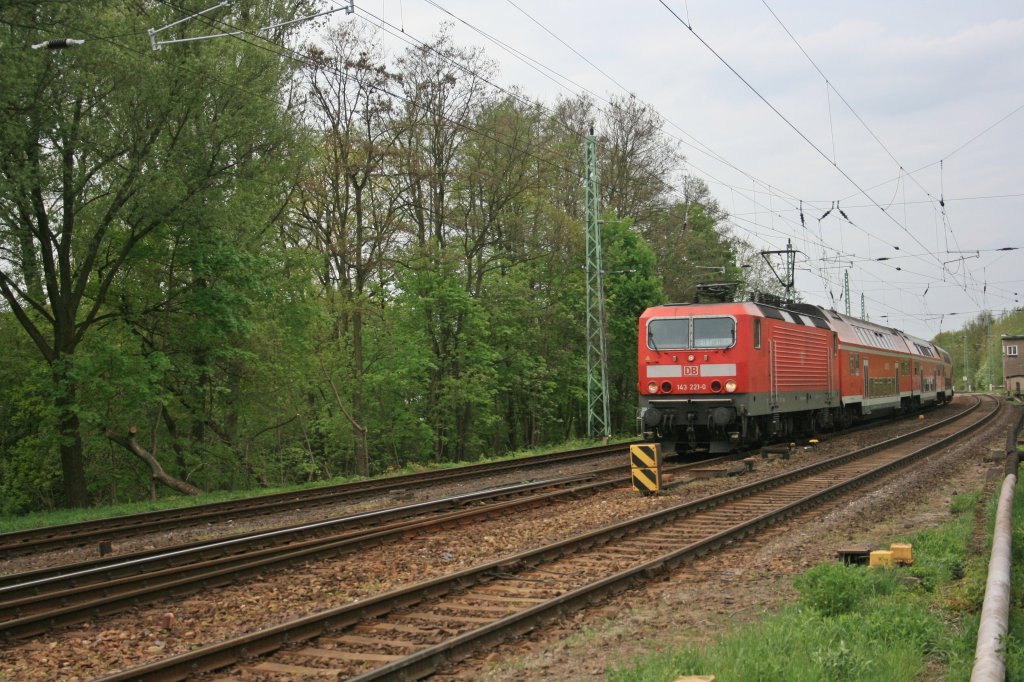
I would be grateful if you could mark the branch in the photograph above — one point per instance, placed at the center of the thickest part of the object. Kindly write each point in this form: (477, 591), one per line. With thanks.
(9, 291)
(360, 429)
(157, 471)
(272, 427)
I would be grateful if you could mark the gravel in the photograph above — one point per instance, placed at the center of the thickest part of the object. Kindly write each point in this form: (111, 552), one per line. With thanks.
(691, 604)
(697, 602)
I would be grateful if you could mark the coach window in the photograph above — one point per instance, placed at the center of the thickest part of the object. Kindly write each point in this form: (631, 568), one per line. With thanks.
(714, 332)
(854, 364)
(669, 334)
(757, 332)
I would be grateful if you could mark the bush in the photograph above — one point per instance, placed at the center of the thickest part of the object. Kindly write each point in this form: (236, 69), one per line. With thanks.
(834, 589)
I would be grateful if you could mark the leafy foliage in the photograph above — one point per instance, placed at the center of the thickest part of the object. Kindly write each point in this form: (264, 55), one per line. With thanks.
(285, 271)
(834, 589)
(976, 349)
(851, 623)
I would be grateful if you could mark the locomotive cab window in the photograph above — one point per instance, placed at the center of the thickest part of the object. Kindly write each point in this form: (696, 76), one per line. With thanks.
(757, 332)
(669, 334)
(714, 332)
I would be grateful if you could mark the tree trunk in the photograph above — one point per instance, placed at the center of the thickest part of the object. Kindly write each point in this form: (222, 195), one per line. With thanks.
(157, 471)
(72, 461)
(362, 447)
(360, 430)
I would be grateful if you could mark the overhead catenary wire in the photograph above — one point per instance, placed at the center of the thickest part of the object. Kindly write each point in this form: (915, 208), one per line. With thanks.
(287, 53)
(786, 120)
(304, 59)
(551, 74)
(803, 136)
(150, 55)
(731, 187)
(406, 38)
(534, 62)
(772, 191)
(843, 99)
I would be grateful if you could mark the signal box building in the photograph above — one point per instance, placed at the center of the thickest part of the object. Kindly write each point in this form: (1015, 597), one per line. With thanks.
(1013, 365)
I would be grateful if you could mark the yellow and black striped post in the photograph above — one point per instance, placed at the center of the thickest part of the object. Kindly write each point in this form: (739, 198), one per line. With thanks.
(645, 463)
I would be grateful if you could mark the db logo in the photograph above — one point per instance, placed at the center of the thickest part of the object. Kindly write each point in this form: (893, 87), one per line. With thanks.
(691, 371)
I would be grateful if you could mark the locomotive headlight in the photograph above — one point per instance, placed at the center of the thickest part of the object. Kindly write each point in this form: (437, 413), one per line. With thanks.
(730, 386)
(652, 387)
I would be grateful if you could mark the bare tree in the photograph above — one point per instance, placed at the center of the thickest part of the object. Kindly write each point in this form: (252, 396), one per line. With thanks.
(348, 205)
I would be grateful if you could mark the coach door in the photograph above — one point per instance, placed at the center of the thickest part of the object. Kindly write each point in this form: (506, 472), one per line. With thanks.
(832, 365)
(867, 382)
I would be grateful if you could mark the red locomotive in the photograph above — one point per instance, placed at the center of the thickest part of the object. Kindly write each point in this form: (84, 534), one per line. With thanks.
(718, 376)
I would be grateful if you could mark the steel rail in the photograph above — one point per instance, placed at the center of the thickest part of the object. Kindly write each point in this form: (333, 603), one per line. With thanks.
(32, 607)
(19, 543)
(117, 566)
(113, 567)
(623, 537)
(73, 604)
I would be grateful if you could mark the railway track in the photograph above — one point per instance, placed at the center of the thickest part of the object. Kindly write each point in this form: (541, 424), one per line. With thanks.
(91, 532)
(35, 602)
(412, 632)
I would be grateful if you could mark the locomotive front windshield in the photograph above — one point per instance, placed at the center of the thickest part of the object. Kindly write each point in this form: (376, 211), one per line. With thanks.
(669, 334)
(714, 332)
(682, 333)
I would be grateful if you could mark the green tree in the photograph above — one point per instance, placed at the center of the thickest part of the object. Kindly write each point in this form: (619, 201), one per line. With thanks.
(349, 205)
(631, 286)
(637, 160)
(102, 147)
(690, 243)
(441, 101)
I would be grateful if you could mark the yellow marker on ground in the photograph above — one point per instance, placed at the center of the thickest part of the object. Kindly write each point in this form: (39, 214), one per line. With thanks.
(881, 557)
(645, 465)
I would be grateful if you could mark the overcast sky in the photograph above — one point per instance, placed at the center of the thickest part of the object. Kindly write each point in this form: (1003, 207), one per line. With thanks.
(934, 81)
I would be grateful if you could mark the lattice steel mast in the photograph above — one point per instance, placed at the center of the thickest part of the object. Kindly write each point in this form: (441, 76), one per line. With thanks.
(598, 414)
(846, 290)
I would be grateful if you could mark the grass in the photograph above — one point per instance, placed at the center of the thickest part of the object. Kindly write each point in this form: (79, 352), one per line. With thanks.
(58, 517)
(856, 623)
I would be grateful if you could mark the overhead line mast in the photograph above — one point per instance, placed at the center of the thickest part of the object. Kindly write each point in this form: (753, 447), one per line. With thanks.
(598, 412)
(788, 281)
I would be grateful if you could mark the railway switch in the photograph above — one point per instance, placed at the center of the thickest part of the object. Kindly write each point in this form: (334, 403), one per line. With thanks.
(645, 464)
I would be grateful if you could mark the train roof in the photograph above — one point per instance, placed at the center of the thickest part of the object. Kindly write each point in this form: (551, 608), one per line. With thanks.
(798, 314)
(850, 330)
